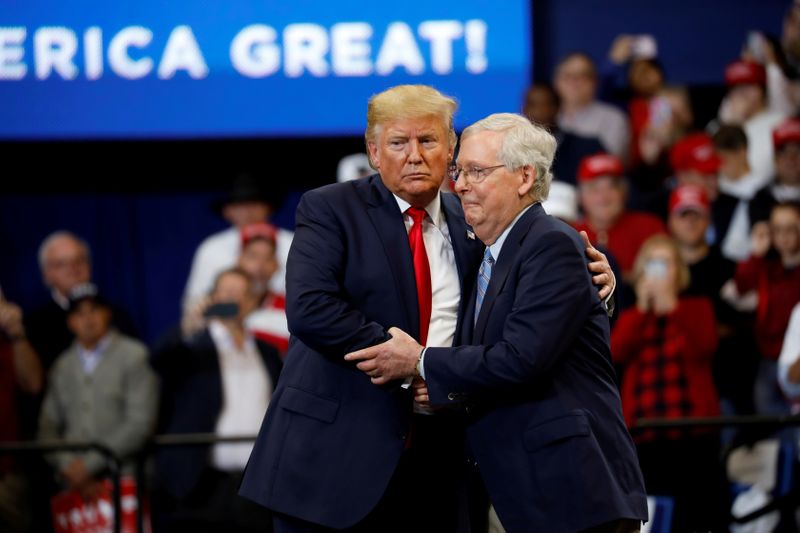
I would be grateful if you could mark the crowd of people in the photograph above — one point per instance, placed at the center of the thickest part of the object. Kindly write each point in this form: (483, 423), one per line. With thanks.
(700, 222)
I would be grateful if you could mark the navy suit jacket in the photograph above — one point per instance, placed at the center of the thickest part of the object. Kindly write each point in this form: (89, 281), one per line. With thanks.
(191, 402)
(535, 371)
(331, 439)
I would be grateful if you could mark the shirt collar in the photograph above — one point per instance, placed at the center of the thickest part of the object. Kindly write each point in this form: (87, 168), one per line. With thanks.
(223, 338)
(99, 348)
(61, 300)
(498, 244)
(434, 209)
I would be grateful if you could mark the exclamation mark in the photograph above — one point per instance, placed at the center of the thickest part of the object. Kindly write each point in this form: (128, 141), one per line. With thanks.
(475, 39)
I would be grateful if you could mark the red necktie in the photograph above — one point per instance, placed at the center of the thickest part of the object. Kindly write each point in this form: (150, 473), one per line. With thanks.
(422, 271)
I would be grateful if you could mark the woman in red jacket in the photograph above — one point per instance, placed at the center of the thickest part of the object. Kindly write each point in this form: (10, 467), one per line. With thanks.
(665, 346)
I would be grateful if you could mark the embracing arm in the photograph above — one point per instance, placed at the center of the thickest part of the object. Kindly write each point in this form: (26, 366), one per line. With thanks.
(317, 306)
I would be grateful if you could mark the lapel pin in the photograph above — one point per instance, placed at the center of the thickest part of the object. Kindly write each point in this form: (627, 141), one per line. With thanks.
(470, 235)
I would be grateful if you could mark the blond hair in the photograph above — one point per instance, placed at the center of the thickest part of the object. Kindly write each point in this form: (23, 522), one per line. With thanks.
(409, 101)
(654, 242)
(524, 144)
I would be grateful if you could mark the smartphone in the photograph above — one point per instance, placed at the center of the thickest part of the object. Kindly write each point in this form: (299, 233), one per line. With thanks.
(644, 47)
(655, 269)
(756, 46)
(660, 112)
(222, 310)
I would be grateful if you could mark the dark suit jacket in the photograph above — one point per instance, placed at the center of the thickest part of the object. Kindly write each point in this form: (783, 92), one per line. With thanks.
(191, 402)
(331, 439)
(546, 422)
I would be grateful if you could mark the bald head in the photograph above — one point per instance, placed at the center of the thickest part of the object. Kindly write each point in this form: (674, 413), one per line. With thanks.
(65, 261)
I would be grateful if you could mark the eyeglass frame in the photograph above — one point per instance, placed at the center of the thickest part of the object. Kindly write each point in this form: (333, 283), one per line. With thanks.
(479, 174)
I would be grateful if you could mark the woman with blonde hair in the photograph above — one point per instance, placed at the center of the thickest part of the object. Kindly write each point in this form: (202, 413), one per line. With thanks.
(665, 345)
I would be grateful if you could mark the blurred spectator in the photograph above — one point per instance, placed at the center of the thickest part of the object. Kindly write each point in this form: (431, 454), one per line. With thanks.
(734, 362)
(746, 106)
(774, 271)
(101, 389)
(20, 369)
(767, 51)
(562, 202)
(786, 186)
(541, 107)
(737, 186)
(268, 321)
(789, 360)
(666, 344)
(353, 167)
(65, 262)
(603, 192)
(246, 203)
(576, 85)
(634, 75)
(689, 220)
(218, 381)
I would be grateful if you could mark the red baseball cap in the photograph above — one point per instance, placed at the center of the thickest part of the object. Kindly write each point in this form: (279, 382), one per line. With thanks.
(694, 152)
(688, 198)
(259, 230)
(787, 131)
(745, 72)
(598, 165)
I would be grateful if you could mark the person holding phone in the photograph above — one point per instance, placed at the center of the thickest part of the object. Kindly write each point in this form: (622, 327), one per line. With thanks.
(665, 345)
(218, 380)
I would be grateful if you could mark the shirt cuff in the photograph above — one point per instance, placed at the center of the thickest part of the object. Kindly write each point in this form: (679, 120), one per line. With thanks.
(407, 382)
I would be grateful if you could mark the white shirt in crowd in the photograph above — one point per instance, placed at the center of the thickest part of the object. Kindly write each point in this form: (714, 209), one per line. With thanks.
(603, 121)
(789, 354)
(246, 390)
(220, 251)
(760, 152)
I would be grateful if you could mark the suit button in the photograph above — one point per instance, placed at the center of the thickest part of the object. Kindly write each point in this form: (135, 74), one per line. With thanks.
(452, 396)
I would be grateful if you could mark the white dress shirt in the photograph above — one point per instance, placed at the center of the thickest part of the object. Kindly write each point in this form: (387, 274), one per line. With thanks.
(246, 390)
(445, 287)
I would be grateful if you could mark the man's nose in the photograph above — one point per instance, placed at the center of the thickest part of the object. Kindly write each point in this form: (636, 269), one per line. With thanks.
(413, 151)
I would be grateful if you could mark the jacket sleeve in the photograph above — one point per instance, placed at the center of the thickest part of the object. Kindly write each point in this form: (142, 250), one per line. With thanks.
(552, 300)
(317, 307)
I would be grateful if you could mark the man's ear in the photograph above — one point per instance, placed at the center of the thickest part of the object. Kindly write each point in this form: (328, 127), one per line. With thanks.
(374, 156)
(528, 179)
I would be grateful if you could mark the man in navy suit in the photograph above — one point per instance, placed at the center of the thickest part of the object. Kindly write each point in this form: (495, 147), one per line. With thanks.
(534, 370)
(335, 451)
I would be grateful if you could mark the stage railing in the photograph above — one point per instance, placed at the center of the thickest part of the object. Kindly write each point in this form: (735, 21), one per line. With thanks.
(208, 439)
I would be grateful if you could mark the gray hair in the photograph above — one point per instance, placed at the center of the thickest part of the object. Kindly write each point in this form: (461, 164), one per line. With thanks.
(55, 236)
(524, 144)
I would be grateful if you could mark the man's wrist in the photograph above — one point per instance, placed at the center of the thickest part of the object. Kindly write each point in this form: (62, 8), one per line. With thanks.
(418, 369)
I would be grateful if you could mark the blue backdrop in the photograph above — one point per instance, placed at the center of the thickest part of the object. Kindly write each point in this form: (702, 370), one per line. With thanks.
(216, 68)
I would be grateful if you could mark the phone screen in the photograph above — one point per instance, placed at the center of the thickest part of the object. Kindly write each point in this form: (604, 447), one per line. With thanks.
(222, 310)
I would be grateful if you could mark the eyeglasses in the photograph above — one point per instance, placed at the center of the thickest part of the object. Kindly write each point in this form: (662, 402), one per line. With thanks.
(473, 174)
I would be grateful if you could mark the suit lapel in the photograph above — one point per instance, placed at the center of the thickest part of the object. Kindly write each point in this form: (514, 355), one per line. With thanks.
(502, 267)
(467, 253)
(387, 219)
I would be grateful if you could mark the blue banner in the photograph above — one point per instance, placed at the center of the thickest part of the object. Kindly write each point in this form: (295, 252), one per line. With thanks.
(187, 68)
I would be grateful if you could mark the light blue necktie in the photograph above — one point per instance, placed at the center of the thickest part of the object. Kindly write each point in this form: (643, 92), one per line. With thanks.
(484, 275)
